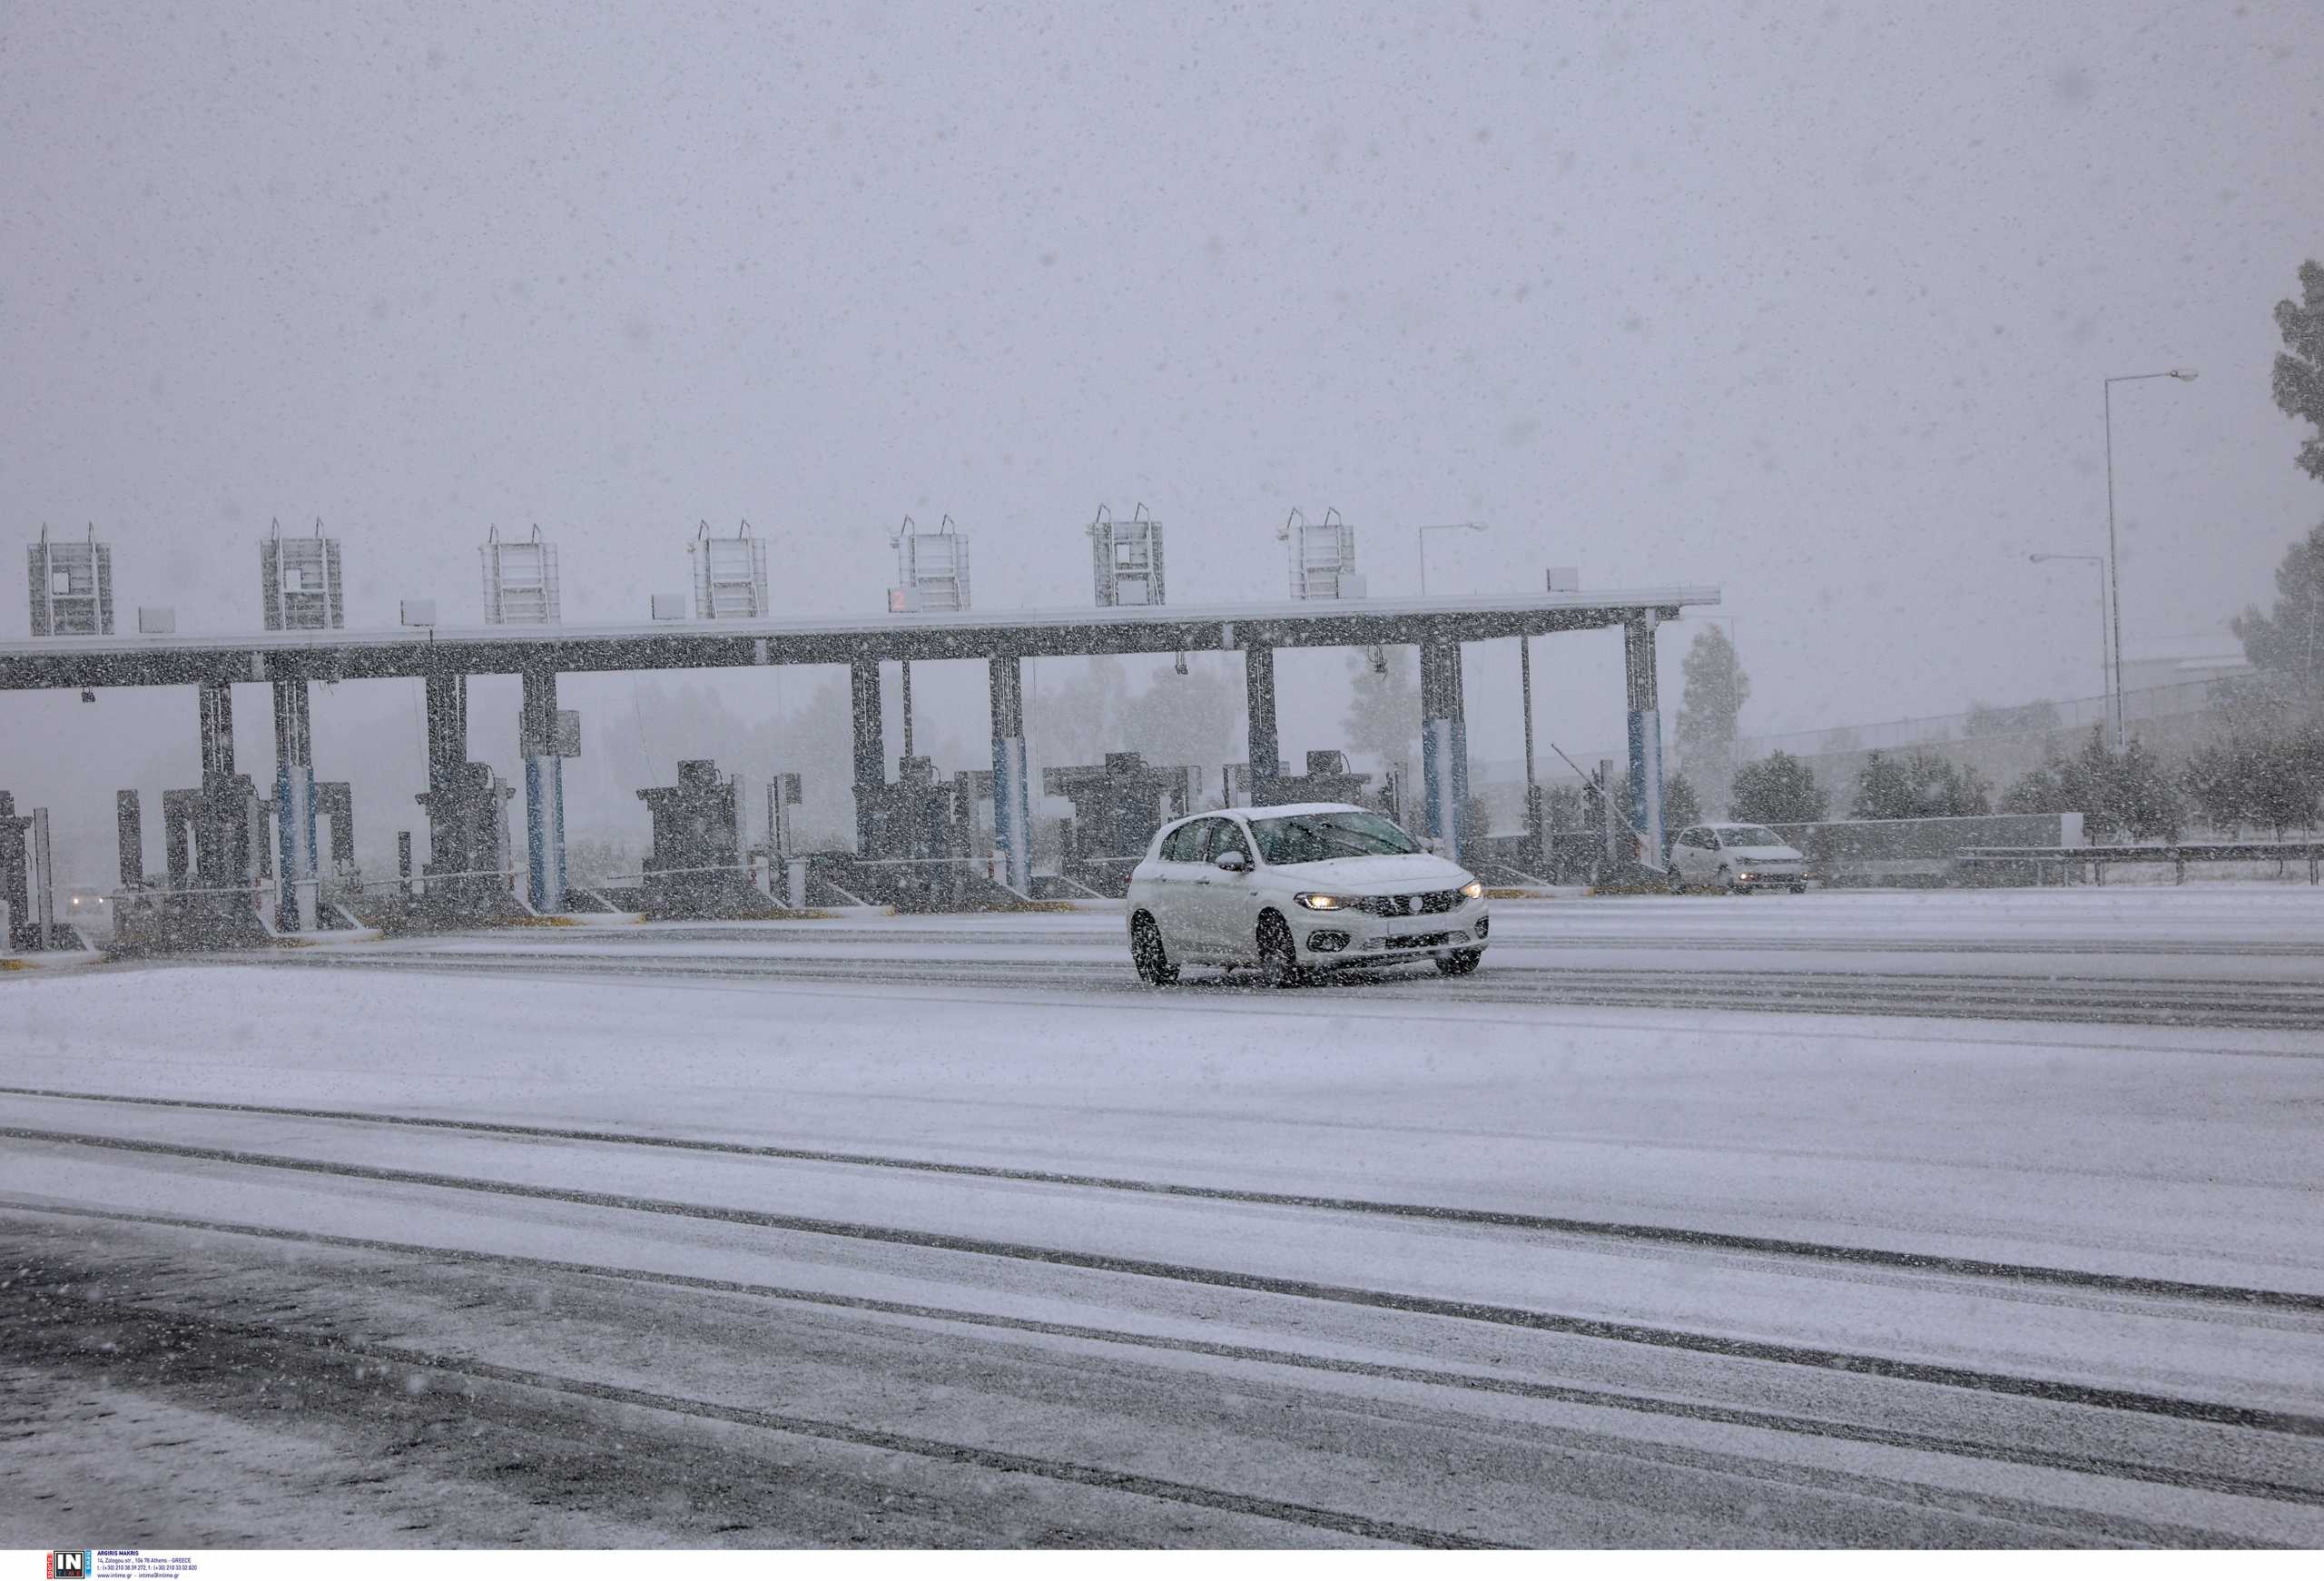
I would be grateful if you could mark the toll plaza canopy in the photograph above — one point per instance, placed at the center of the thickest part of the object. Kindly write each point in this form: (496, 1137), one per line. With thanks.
(180, 660)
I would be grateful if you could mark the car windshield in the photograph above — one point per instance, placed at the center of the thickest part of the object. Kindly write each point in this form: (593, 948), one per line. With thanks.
(1749, 835)
(1287, 842)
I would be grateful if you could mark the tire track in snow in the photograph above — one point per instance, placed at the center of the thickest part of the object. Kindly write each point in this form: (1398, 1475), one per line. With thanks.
(2181, 1002)
(2134, 1285)
(1488, 1383)
(2143, 1402)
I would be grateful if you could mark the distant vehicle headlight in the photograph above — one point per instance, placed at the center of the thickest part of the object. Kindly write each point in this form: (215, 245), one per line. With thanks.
(1322, 901)
(1473, 890)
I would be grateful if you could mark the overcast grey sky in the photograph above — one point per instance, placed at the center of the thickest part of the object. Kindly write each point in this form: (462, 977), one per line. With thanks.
(1812, 303)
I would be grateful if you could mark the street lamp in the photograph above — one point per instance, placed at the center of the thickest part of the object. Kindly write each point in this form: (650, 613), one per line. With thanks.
(2105, 570)
(2114, 575)
(1419, 541)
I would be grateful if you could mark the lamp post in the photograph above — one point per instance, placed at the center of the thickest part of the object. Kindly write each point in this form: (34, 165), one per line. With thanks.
(2114, 575)
(2105, 571)
(1419, 541)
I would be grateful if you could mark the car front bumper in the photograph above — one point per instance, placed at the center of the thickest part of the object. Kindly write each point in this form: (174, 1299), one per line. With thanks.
(1367, 941)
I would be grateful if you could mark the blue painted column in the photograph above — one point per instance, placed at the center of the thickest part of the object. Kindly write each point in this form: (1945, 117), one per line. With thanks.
(1444, 746)
(1646, 739)
(298, 895)
(1012, 797)
(544, 794)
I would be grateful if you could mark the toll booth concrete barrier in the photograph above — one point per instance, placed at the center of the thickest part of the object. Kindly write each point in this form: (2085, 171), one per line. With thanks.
(707, 850)
(1117, 804)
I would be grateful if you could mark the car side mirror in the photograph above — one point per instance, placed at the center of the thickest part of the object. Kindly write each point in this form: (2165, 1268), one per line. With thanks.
(1232, 861)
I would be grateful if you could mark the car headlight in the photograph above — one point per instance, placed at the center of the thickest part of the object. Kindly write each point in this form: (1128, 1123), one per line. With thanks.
(1473, 890)
(1322, 901)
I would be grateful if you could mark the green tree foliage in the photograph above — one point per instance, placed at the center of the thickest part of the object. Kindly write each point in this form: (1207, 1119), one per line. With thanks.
(2272, 782)
(2126, 795)
(2300, 366)
(2290, 637)
(1777, 789)
(2142, 799)
(1921, 786)
(1716, 691)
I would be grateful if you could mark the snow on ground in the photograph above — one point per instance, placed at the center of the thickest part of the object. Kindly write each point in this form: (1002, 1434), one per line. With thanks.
(2171, 1152)
(2144, 1151)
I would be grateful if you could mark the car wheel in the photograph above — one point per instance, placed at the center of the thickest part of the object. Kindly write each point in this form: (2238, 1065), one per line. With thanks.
(1678, 882)
(1799, 889)
(1153, 962)
(1727, 884)
(1460, 962)
(1278, 957)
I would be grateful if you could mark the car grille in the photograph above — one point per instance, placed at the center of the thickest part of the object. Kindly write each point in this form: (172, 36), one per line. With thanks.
(1436, 903)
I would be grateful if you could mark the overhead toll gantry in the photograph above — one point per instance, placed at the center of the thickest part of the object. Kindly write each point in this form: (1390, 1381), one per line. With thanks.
(928, 619)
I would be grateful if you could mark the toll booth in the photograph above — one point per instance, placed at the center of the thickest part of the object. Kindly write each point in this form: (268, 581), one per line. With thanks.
(910, 819)
(916, 852)
(1117, 806)
(471, 857)
(27, 880)
(1328, 779)
(707, 845)
(471, 852)
(214, 855)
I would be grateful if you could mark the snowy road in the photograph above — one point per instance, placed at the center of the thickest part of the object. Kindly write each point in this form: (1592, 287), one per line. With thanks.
(2248, 958)
(1015, 1254)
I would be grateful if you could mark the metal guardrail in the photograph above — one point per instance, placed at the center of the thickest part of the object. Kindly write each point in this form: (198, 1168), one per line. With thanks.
(2098, 858)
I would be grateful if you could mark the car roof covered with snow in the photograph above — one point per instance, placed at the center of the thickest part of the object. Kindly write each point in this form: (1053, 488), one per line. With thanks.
(1289, 809)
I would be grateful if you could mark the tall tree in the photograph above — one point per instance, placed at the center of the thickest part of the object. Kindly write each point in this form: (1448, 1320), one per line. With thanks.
(1681, 805)
(2300, 367)
(1716, 691)
(2290, 637)
(1778, 790)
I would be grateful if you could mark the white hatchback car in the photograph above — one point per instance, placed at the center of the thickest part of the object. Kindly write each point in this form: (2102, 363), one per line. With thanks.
(1737, 858)
(1297, 890)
